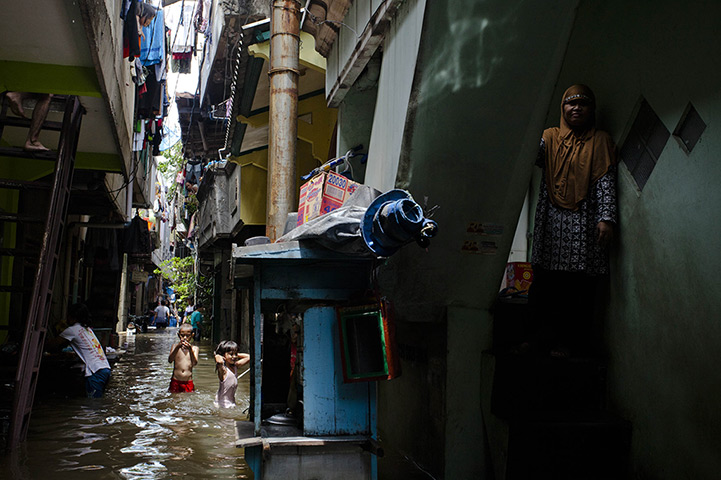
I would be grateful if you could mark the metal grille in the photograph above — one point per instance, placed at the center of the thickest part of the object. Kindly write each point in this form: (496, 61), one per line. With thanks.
(644, 143)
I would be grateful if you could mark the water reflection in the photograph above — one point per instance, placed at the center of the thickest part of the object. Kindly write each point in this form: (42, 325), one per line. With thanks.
(138, 430)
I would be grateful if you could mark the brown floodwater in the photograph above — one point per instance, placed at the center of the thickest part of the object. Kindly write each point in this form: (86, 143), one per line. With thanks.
(138, 430)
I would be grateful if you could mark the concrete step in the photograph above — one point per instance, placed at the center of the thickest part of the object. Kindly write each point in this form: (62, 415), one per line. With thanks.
(524, 385)
(569, 445)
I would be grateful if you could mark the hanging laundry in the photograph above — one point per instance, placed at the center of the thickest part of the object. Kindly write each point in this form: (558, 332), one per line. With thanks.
(124, 9)
(166, 100)
(202, 17)
(181, 61)
(131, 40)
(152, 43)
(137, 238)
(193, 171)
(157, 137)
(150, 102)
(132, 32)
(139, 137)
(183, 36)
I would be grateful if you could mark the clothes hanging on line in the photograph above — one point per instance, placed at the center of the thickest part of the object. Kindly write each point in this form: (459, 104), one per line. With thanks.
(183, 38)
(193, 171)
(152, 43)
(139, 136)
(131, 39)
(150, 103)
(180, 63)
(137, 237)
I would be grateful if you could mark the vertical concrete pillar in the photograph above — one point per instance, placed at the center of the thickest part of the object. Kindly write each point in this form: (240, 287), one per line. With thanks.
(122, 298)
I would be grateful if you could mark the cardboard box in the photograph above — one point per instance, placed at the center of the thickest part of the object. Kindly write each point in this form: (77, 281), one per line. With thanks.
(519, 275)
(323, 193)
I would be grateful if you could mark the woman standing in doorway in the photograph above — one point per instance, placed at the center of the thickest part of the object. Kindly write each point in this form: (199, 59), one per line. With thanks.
(574, 224)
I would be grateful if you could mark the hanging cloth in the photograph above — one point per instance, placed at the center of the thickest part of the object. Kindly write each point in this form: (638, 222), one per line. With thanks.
(152, 43)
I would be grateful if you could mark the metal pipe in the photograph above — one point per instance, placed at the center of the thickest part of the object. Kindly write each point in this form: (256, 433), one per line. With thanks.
(283, 115)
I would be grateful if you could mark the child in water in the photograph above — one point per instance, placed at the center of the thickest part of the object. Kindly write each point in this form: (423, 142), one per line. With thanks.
(227, 361)
(184, 357)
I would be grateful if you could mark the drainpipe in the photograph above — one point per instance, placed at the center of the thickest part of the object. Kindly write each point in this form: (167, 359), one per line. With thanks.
(283, 122)
(129, 200)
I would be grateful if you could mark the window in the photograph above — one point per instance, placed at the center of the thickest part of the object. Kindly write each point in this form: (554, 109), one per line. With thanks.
(644, 144)
(689, 129)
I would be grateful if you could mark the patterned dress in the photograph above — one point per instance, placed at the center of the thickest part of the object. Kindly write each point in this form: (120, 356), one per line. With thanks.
(565, 239)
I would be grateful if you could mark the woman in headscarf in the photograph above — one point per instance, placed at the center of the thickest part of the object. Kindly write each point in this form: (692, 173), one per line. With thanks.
(574, 224)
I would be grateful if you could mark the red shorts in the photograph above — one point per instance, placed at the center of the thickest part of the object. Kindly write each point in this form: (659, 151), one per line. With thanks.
(176, 386)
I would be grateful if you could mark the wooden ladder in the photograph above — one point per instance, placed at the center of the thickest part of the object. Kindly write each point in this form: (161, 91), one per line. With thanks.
(41, 294)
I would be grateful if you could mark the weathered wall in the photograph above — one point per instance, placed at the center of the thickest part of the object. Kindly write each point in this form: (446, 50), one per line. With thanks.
(223, 311)
(481, 86)
(104, 32)
(400, 48)
(479, 101)
(662, 322)
(355, 117)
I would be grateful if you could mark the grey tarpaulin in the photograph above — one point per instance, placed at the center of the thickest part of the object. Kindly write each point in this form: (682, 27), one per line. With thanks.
(338, 230)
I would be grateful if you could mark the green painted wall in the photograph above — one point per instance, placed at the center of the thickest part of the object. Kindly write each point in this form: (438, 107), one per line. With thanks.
(46, 78)
(662, 321)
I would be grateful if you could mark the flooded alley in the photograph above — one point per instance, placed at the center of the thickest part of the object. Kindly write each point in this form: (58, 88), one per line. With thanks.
(138, 430)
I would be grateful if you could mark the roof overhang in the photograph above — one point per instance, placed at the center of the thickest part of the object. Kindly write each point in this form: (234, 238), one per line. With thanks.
(50, 53)
(70, 48)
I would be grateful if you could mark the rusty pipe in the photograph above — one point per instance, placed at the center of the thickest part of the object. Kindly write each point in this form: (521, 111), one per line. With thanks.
(283, 114)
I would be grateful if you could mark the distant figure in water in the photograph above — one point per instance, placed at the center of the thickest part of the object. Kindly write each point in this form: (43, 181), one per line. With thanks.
(227, 361)
(184, 357)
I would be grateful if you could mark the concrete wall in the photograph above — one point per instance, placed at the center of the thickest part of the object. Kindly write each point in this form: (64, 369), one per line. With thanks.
(468, 134)
(355, 117)
(104, 30)
(223, 310)
(400, 48)
(478, 105)
(488, 79)
(664, 297)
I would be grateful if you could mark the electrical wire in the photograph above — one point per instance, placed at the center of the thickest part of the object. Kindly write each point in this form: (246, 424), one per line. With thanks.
(314, 19)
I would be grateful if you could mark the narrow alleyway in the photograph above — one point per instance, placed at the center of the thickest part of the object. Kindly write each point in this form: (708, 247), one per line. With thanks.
(138, 430)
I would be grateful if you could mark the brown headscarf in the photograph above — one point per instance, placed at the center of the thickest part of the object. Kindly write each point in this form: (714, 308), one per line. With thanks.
(575, 161)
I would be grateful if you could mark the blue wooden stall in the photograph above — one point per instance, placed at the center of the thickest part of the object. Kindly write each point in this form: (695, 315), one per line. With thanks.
(334, 433)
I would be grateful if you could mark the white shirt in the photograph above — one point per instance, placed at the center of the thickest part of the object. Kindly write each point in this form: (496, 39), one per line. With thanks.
(162, 312)
(87, 346)
(225, 397)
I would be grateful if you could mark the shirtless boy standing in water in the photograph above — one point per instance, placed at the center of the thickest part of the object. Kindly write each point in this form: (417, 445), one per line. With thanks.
(184, 357)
